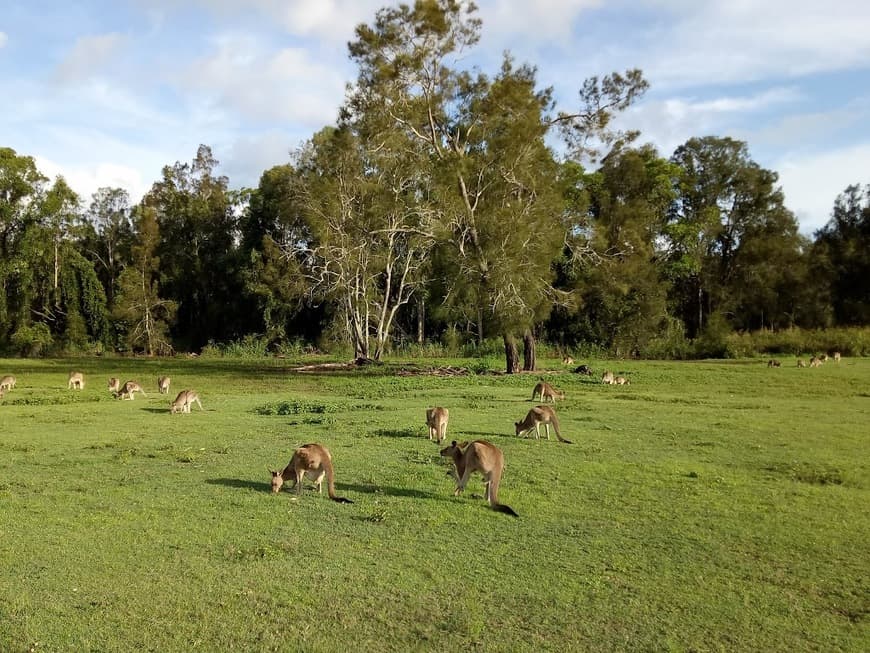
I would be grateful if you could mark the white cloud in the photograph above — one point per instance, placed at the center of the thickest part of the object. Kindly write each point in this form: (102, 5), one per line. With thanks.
(811, 183)
(88, 54)
(3, 39)
(287, 85)
(86, 178)
(543, 21)
(742, 40)
(671, 122)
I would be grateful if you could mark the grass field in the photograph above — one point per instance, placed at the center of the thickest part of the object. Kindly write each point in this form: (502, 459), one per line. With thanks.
(708, 506)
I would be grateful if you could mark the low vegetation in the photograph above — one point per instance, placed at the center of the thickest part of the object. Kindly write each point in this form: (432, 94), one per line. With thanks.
(709, 505)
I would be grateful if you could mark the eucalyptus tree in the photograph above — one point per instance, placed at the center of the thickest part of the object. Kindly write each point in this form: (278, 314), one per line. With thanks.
(622, 297)
(369, 229)
(483, 145)
(144, 316)
(110, 236)
(728, 235)
(197, 219)
(842, 255)
(21, 185)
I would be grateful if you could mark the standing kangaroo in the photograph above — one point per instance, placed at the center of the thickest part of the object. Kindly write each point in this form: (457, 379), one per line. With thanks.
(311, 460)
(115, 385)
(540, 415)
(163, 385)
(436, 420)
(607, 378)
(7, 383)
(546, 392)
(479, 456)
(76, 381)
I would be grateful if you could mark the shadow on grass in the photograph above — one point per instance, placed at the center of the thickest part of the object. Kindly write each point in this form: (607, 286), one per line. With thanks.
(386, 490)
(398, 433)
(483, 434)
(241, 483)
(155, 410)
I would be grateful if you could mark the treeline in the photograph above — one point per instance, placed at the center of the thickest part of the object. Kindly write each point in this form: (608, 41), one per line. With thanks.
(436, 209)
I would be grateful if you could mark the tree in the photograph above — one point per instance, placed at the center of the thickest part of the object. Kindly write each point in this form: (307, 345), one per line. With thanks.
(138, 306)
(618, 279)
(842, 255)
(111, 237)
(200, 267)
(726, 227)
(484, 144)
(370, 233)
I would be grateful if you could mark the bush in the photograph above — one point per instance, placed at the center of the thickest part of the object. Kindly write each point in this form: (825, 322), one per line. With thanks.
(32, 340)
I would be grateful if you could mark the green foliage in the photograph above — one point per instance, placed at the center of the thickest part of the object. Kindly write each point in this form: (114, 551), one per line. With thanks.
(33, 339)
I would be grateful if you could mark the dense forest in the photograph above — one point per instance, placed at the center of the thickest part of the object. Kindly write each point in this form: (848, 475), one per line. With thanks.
(445, 205)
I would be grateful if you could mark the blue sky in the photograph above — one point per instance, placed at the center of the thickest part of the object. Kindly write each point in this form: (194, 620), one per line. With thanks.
(107, 93)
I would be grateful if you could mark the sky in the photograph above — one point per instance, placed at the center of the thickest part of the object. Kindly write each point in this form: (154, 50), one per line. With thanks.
(107, 92)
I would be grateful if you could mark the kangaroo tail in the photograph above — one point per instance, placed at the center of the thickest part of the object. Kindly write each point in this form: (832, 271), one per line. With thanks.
(556, 429)
(330, 484)
(500, 507)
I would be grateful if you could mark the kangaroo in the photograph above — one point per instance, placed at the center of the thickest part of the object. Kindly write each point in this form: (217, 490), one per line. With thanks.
(621, 380)
(7, 382)
(163, 385)
(815, 361)
(183, 402)
(836, 357)
(128, 389)
(546, 392)
(824, 358)
(535, 417)
(436, 420)
(607, 378)
(773, 363)
(567, 360)
(315, 462)
(583, 369)
(801, 363)
(76, 381)
(479, 456)
(115, 385)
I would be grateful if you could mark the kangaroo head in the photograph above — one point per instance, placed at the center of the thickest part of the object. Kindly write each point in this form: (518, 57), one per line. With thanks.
(277, 481)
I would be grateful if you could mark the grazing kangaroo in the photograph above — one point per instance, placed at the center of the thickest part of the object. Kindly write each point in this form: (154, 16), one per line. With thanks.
(567, 360)
(183, 402)
(115, 385)
(540, 415)
(129, 388)
(773, 363)
(815, 361)
(801, 363)
(76, 381)
(7, 382)
(163, 385)
(836, 357)
(607, 378)
(436, 420)
(479, 456)
(545, 391)
(621, 380)
(315, 462)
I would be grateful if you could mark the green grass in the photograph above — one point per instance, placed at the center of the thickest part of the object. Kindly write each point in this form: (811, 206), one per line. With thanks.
(709, 506)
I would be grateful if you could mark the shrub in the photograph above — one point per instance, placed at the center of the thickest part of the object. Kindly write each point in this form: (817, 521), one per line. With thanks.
(32, 340)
